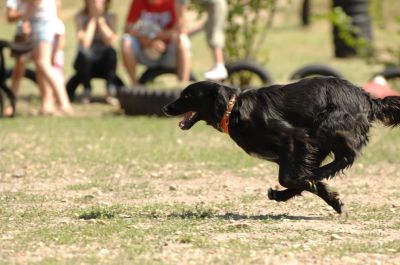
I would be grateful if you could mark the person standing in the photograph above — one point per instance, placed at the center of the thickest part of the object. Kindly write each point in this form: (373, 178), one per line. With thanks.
(39, 20)
(217, 11)
(96, 28)
(14, 12)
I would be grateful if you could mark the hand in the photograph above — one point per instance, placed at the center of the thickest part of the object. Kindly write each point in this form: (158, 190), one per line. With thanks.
(158, 45)
(144, 41)
(26, 28)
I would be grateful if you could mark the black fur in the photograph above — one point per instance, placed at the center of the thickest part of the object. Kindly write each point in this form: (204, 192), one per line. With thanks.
(296, 125)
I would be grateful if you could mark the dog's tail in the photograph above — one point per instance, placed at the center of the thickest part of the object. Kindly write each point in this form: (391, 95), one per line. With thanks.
(387, 110)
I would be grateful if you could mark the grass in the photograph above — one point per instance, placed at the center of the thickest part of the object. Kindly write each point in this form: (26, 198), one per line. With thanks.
(103, 188)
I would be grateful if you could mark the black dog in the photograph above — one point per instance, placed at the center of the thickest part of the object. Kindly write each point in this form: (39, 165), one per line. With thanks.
(296, 125)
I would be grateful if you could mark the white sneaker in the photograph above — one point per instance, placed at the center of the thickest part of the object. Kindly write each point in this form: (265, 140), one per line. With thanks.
(218, 72)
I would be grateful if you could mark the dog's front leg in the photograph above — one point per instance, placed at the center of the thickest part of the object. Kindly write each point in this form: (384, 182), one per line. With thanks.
(283, 195)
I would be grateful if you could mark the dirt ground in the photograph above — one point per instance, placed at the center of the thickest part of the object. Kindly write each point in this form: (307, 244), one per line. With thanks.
(301, 231)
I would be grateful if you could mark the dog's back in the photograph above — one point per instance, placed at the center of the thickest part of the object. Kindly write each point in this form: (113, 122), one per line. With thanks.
(305, 102)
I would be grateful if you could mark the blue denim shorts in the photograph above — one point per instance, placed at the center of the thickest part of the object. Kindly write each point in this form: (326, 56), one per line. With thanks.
(167, 59)
(43, 30)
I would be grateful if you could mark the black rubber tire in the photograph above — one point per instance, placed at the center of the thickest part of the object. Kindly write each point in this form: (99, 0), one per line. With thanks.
(73, 83)
(146, 101)
(316, 70)
(252, 67)
(390, 73)
(150, 74)
(29, 74)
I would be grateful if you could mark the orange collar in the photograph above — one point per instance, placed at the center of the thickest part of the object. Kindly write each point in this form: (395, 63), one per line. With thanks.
(225, 119)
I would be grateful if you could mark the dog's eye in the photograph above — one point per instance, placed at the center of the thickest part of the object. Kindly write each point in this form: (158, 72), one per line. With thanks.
(185, 96)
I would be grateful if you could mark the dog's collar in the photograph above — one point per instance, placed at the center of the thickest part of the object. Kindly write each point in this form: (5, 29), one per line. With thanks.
(224, 123)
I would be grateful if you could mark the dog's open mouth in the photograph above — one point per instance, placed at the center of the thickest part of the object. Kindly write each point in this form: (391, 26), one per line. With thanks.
(189, 119)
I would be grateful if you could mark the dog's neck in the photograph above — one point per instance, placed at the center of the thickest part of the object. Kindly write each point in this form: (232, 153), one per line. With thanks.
(224, 123)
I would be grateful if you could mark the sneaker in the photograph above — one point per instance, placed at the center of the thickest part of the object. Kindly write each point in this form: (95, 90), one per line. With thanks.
(218, 72)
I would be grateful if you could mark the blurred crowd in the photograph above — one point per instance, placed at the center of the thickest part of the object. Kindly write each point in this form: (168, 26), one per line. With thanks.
(155, 34)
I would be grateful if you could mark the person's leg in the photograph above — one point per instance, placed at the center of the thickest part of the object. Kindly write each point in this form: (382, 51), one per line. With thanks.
(183, 57)
(16, 76)
(46, 94)
(18, 73)
(43, 50)
(83, 66)
(215, 32)
(128, 46)
(106, 68)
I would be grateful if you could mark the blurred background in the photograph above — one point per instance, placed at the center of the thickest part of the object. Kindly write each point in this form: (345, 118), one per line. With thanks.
(286, 44)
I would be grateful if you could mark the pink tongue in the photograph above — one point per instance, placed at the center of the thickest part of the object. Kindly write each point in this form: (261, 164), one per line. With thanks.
(185, 118)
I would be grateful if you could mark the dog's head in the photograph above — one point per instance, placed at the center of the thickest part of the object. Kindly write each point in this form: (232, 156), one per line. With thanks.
(203, 100)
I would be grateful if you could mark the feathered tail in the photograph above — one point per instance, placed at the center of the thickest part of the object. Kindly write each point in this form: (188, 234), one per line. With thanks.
(387, 110)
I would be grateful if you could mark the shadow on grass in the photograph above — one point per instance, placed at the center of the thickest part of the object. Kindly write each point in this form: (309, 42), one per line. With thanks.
(266, 217)
(208, 214)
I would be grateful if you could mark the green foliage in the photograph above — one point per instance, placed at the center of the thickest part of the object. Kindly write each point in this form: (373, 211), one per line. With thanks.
(350, 33)
(248, 23)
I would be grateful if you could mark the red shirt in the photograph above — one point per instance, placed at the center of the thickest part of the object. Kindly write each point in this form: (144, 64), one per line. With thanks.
(161, 12)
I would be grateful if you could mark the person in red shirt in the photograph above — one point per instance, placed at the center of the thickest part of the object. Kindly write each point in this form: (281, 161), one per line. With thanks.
(152, 38)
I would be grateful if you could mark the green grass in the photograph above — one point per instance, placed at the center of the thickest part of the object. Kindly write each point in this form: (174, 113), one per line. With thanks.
(103, 188)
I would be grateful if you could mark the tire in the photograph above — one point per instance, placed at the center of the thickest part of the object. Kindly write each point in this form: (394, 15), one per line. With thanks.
(146, 101)
(390, 73)
(154, 72)
(246, 74)
(29, 74)
(316, 70)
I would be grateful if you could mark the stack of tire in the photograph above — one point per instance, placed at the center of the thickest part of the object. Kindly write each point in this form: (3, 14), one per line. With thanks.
(358, 11)
(142, 101)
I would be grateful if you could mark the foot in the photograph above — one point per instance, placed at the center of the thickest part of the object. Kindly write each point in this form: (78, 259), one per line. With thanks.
(271, 194)
(218, 72)
(8, 111)
(336, 203)
(112, 101)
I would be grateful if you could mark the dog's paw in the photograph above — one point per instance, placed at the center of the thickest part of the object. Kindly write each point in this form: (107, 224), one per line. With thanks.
(338, 206)
(271, 194)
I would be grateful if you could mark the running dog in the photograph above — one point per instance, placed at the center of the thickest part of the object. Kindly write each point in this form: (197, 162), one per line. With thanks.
(296, 126)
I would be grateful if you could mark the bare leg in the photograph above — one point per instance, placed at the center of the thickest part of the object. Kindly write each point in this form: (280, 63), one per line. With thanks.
(46, 94)
(183, 56)
(17, 74)
(43, 65)
(218, 55)
(129, 59)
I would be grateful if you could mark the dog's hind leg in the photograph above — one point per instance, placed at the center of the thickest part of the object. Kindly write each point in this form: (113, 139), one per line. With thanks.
(289, 178)
(345, 151)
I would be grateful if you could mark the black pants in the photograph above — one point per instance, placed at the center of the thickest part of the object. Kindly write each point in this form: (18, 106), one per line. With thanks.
(88, 65)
